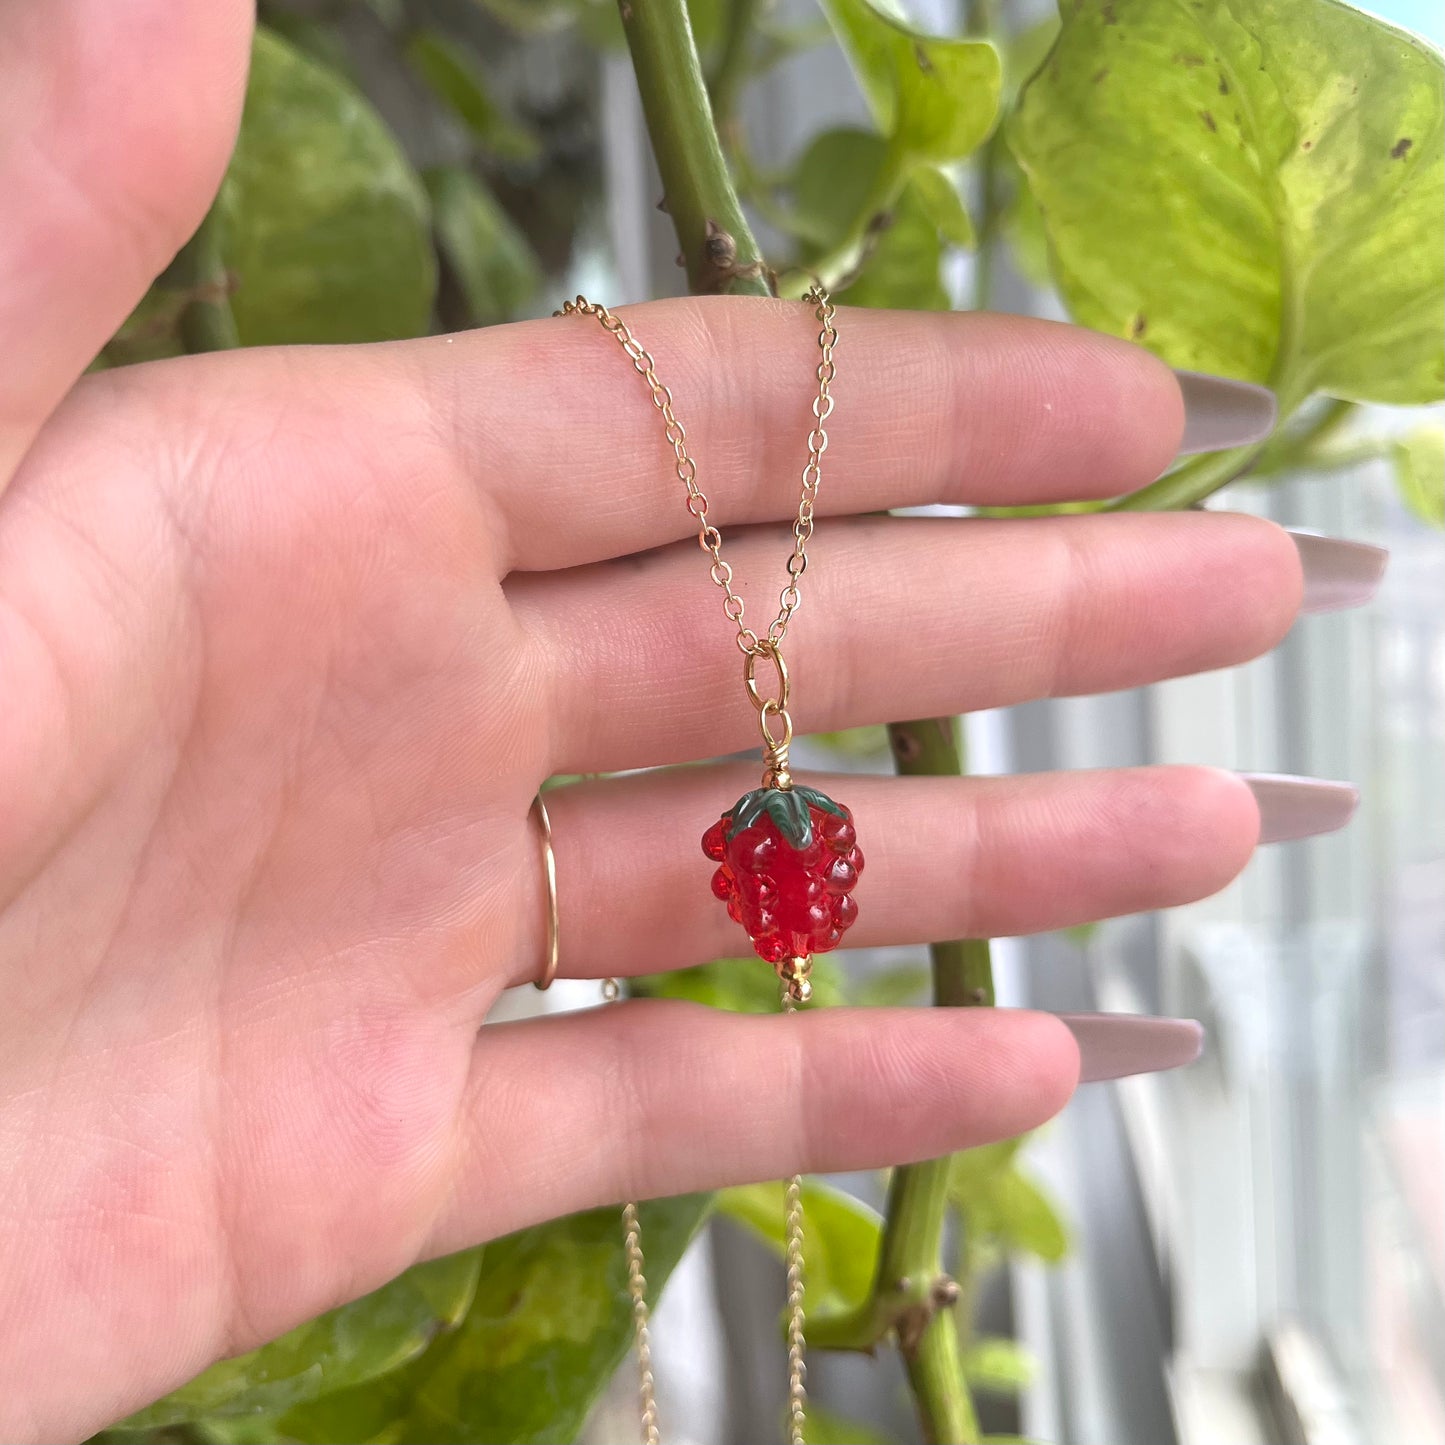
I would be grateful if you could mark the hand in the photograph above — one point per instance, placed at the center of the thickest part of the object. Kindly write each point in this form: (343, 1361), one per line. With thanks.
(289, 641)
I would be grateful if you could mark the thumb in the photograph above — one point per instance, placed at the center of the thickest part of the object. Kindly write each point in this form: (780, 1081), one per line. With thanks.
(116, 123)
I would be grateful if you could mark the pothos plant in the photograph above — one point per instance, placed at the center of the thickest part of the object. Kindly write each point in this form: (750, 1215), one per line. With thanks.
(1247, 187)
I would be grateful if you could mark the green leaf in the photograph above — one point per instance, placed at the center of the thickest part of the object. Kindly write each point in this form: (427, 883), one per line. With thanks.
(325, 226)
(902, 264)
(550, 1323)
(998, 1364)
(827, 1428)
(836, 180)
(1248, 187)
(861, 744)
(741, 985)
(843, 1236)
(455, 75)
(972, 1170)
(938, 194)
(494, 267)
(935, 99)
(1023, 1217)
(344, 1347)
(1420, 473)
(319, 39)
(897, 987)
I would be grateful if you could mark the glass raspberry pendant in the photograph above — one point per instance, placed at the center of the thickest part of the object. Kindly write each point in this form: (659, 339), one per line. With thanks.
(788, 860)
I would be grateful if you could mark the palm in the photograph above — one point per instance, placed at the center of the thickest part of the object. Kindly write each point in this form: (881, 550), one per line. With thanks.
(279, 860)
(289, 643)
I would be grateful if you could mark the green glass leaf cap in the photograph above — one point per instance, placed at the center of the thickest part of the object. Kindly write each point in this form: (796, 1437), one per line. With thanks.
(788, 808)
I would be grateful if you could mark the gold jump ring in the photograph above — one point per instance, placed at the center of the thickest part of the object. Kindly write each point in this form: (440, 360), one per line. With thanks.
(766, 647)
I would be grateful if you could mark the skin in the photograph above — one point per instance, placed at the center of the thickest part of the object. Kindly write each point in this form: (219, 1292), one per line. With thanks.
(290, 638)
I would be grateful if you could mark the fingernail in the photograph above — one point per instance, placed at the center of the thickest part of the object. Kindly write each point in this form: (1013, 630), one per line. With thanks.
(1220, 413)
(1291, 807)
(1338, 574)
(1112, 1046)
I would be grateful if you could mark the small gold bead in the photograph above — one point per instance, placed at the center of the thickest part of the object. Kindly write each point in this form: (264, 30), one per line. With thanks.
(793, 974)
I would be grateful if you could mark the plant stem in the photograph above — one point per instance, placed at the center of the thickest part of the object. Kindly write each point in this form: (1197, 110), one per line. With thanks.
(911, 1254)
(916, 1297)
(718, 248)
(1302, 446)
(935, 1376)
(206, 323)
(1191, 483)
(732, 66)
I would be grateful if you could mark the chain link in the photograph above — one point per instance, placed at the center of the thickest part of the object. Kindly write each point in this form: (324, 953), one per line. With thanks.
(708, 536)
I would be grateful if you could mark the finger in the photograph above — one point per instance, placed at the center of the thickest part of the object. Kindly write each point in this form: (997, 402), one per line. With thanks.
(652, 1098)
(930, 407)
(572, 466)
(946, 858)
(115, 125)
(903, 618)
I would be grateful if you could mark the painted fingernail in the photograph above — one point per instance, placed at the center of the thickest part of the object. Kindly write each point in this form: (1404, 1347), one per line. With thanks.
(1112, 1046)
(1220, 413)
(1291, 807)
(1338, 574)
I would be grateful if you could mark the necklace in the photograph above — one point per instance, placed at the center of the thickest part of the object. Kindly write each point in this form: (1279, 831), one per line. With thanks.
(787, 856)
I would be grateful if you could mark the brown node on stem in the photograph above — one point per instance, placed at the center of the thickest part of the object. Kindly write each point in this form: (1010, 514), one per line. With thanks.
(720, 261)
(914, 1318)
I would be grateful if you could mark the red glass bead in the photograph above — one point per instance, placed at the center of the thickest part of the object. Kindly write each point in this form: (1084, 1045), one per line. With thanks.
(789, 863)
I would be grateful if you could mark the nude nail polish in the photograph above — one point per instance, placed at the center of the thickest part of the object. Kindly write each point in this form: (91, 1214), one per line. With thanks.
(1113, 1046)
(1338, 574)
(1220, 413)
(1292, 807)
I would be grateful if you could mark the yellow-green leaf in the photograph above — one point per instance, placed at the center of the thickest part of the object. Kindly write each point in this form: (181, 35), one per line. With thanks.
(1023, 1217)
(345, 1347)
(902, 261)
(1420, 473)
(998, 1364)
(740, 985)
(549, 1325)
(834, 182)
(325, 226)
(843, 1236)
(938, 194)
(935, 98)
(1248, 187)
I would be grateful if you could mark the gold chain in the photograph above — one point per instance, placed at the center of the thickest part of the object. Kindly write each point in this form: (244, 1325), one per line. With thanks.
(797, 1341)
(776, 726)
(708, 536)
(637, 1292)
